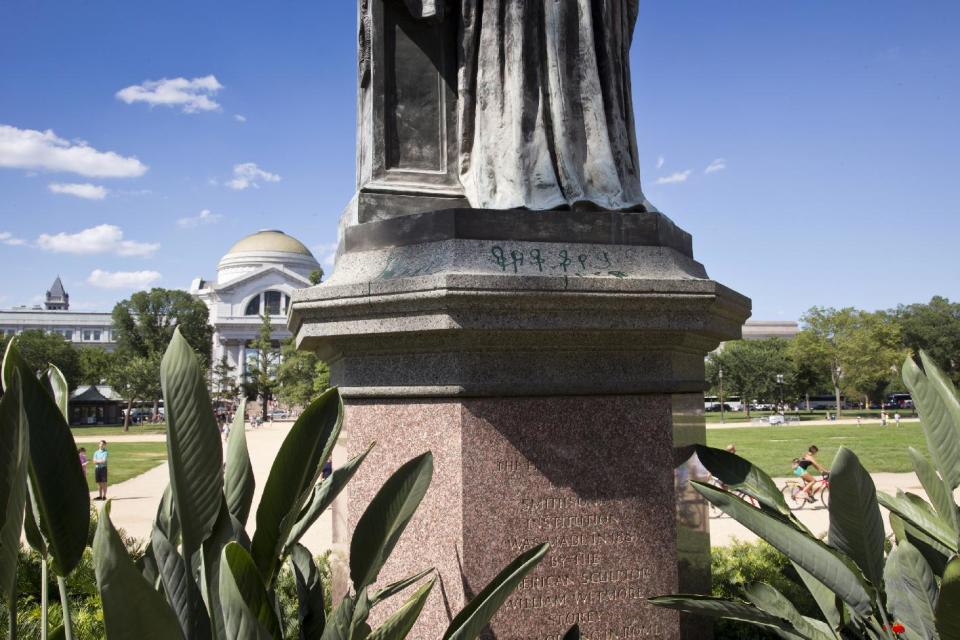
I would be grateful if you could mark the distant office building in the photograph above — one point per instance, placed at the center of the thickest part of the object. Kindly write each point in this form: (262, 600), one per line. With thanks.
(763, 329)
(257, 276)
(82, 328)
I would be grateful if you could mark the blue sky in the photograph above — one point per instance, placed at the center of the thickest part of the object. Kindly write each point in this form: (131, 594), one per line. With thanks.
(832, 129)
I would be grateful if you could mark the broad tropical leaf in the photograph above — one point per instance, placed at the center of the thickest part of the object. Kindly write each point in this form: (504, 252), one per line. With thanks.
(311, 615)
(720, 608)
(394, 588)
(473, 618)
(823, 563)
(193, 444)
(768, 599)
(295, 470)
(830, 606)
(948, 605)
(940, 417)
(914, 510)
(323, 496)
(181, 589)
(238, 480)
(338, 626)
(14, 460)
(167, 520)
(248, 613)
(911, 590)
(936, 490)
(385, 519)
(400, 622)
(741, 475)
(58, 488)
(856, 526)
(131, 606)
(226, 530)
(57, 385)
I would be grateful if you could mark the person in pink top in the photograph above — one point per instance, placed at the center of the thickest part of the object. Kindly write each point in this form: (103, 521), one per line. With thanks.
(83, 459)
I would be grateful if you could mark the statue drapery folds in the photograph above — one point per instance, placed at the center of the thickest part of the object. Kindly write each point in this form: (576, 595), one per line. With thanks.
(545, 113)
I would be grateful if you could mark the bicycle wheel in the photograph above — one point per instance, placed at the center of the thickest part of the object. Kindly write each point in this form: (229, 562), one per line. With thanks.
(793, 496)
(825, 497)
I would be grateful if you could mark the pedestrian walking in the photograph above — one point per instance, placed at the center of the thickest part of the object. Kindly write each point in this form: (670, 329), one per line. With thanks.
(100, 457)
(896, 418)
(883, 418)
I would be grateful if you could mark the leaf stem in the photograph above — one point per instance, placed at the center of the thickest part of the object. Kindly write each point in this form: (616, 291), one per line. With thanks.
(65, 605)
(12, 617)
(44, 579)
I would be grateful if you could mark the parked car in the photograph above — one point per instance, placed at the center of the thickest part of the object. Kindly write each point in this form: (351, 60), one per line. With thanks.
(279, 414)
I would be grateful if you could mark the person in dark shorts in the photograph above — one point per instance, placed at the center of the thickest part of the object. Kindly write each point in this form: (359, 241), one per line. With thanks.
(100, 469)
(802, 470)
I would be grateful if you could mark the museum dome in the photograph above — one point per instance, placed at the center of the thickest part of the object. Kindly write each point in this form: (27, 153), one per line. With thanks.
(270, 240)
(263, 248)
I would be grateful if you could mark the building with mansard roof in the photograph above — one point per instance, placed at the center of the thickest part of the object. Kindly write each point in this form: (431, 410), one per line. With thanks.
(82, 328)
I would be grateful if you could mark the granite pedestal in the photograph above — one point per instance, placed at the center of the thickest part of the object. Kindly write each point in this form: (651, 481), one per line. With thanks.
(553, 363)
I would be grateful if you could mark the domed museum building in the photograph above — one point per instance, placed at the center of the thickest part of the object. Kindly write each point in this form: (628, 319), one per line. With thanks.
(256, 276)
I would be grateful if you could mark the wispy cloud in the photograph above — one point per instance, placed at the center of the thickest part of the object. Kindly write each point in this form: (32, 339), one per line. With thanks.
(191, 96)
(44, 150)
(327, 253)
(104, 238)
(660, 162)
(248, 175)
(717, 165)
(239, 118)
(133, 280)
(87, 191)
(9, 239)
(203, 218)
(675, 178)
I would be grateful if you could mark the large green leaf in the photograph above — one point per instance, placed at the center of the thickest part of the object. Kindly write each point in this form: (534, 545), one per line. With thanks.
(941, 416)
(226, 530)
(911, 590)
(57, 385)
(385, 518)
(311, 613)
(58, 486)
(323, 496)
(238, 480)
(824, 563)
(14, 460)
(294, 472)
(193, 444)
(948, 605)
(166, 519)
(247, 611)
(917, 512)
(936, 490)
(768, 599)
(131, 606)
(401, 621)
(473, 618)
(720, 608)
(338, 625)
(181, 589)
(856, 526)
(830, 606)
(741, 475)
(394, 588)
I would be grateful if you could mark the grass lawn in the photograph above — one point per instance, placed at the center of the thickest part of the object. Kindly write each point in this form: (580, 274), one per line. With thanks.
(772, 448)
(713, 417)
(116, 430)
(128, 460)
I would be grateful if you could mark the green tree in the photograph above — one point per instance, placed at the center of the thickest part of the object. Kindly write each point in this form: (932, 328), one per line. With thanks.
(95, 365)
(261, 378)
(750, 369)
(39, 349)
(135, 378)
(935, 328)
(316, 276)
(302, 376)
(144, 324)
(223, 379)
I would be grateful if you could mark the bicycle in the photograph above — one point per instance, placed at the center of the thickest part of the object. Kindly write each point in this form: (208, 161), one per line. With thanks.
(716, 512)
(795, 497)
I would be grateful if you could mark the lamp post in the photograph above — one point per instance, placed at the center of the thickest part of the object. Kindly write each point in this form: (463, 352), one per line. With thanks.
(780, 382)
(836, 389)
(720, 375)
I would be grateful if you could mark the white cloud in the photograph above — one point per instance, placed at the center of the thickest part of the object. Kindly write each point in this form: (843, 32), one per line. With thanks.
(204, 217)
(190, 95)
(9, 239)
(674, 178)
(104, 238)
(86, 190)
(248, 175)
(717, 165)
(660, 162)
(239, 118)
(122, 279)
(327, 253)
(30, 149)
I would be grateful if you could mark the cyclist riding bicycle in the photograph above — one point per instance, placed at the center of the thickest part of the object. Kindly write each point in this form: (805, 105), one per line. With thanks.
(801, 469)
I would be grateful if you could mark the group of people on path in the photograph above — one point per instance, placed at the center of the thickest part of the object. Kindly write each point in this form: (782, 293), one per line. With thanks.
(100, 458)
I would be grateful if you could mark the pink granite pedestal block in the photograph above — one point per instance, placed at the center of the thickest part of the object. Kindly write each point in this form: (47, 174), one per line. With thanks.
(591, 475)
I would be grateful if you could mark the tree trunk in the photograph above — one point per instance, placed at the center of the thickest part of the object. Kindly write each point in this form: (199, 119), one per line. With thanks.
(126, 417)
(836, 391)
(808, 402)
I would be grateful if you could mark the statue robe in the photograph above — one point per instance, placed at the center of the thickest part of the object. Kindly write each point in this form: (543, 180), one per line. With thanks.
(545, 105)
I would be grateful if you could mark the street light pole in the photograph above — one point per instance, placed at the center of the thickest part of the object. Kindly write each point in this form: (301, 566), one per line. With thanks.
(780, 382)
(720, 375)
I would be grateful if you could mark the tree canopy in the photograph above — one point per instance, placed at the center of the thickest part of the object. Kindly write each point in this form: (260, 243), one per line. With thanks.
(302, 376)
(935, 328)
(143, 325)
